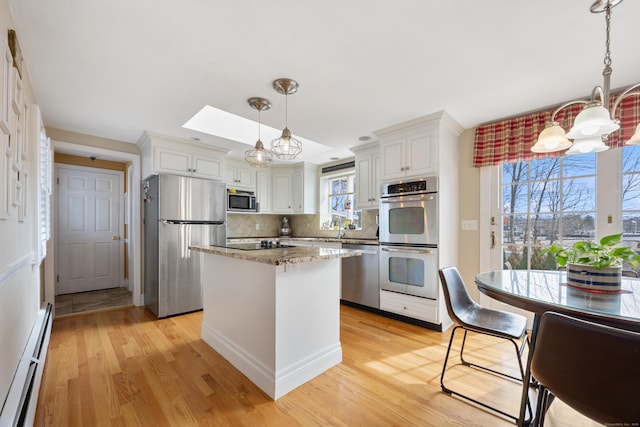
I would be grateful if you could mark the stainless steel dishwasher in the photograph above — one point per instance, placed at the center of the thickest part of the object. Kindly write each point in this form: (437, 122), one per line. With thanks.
(360, 276)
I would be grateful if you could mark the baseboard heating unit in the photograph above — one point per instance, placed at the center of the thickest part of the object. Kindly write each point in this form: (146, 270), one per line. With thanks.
(19, 408)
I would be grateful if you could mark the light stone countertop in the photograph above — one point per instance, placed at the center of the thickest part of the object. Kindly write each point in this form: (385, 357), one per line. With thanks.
(307, 239)
(280, 256)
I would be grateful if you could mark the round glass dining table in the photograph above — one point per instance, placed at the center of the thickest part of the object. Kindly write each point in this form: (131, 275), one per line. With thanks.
(539, 291)
(543, 290)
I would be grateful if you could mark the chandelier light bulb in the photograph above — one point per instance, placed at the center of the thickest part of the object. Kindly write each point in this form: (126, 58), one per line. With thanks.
(593, 120)
(635, 139)
(587, 145)
(551, 139)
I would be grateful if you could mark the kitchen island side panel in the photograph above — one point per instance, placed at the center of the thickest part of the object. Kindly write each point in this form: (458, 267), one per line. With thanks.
(278, 325)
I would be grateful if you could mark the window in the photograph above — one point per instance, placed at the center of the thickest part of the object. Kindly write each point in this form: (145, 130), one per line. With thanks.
(546, 201)
(43, 221)
(337, 202)
(554, 200)
(631, 196)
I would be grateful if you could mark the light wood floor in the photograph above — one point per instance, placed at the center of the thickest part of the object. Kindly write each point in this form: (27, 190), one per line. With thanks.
(124, 367)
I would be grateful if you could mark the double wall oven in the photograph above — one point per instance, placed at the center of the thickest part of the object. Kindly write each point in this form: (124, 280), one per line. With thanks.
(409, 237)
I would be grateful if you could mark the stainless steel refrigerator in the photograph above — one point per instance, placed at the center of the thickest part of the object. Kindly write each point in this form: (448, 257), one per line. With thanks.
(178, 212)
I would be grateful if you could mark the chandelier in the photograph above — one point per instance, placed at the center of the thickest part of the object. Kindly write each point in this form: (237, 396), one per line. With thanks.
(593, 125)
(286, 147)
(259, 157)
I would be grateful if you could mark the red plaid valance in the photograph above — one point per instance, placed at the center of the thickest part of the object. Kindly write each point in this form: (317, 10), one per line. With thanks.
(510, 140)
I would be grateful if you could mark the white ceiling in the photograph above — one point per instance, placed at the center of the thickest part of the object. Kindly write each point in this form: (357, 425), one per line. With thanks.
(117, 68)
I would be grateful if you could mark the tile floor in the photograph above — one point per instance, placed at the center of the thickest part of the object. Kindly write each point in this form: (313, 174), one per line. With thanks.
(91, 301)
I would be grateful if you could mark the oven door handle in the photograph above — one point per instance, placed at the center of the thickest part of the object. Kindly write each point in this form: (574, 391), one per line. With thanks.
(409, 251)
(408, 198)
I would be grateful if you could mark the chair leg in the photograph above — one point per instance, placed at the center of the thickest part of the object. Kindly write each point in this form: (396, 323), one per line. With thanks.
(446, 358)
(475, 365)
(542, 406)
(464, 340)
(477, 402)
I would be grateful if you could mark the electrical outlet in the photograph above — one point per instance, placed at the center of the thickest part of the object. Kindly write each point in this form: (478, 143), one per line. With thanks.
(257, 227)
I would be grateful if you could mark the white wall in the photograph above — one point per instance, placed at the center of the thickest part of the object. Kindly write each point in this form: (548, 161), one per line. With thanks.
(19, 279)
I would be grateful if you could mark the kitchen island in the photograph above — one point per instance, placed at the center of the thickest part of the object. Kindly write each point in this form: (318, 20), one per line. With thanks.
(274, 314)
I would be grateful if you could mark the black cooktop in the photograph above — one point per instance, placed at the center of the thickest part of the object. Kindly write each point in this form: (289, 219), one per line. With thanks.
(254, 246)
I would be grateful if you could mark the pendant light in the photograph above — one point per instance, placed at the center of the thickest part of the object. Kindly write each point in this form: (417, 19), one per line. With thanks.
(593, 125)
(259, 157)
(286, 147)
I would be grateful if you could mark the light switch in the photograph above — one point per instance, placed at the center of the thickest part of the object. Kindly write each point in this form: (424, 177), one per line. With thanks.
(469, 224)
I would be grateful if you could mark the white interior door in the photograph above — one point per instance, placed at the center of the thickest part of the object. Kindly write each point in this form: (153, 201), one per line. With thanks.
(89, 223)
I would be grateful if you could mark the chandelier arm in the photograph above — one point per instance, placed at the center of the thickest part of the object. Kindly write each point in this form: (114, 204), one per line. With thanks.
(598, 91)
(563, 106)
(627, 92)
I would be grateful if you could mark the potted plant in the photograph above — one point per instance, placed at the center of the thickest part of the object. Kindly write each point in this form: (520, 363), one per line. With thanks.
(593, 265)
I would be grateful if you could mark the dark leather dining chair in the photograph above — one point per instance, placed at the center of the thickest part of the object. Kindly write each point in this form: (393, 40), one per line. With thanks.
(593, 368)
(472, 317)
(630, 273)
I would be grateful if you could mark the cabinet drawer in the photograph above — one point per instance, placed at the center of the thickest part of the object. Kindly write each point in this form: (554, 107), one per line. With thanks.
(410, 306)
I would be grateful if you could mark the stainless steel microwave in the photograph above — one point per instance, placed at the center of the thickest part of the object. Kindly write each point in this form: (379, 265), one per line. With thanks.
(241, 201)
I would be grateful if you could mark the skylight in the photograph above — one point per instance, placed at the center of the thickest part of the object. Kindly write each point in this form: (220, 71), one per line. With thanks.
(223, 124)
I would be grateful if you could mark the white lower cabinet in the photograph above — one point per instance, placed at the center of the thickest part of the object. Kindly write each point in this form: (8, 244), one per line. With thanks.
(410, 306)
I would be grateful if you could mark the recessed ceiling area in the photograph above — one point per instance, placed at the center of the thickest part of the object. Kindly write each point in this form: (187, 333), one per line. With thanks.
(214, 121)
(116, 69)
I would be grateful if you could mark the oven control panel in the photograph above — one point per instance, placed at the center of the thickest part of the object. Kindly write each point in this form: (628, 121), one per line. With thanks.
(424, 185)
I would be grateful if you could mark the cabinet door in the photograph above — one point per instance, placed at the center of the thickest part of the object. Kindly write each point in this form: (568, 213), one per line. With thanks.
(207, 167)
(263, 191)
(282, 193)
(298, 191)
(246, 178)
(375, 179)
(229, 176)
(172, 161)
(393, 158)
(238, 176)
(363, 182)
(421, 154)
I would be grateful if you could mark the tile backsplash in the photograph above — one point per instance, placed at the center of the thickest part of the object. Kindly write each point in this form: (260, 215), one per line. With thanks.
(244, 225)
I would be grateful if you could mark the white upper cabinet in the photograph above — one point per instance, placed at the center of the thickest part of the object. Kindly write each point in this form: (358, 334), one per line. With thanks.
(367, 164)
(305, 189)
(410, 151)
(263, 191)
(165, 154)
(295, 189)
(282, 179)
(239, 174)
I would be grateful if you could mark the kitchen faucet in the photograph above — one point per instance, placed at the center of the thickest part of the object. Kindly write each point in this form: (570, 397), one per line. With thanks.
(341, 230)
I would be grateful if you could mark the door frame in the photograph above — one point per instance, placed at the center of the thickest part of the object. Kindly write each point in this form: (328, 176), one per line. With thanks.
(120, 213)
(133, 212)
